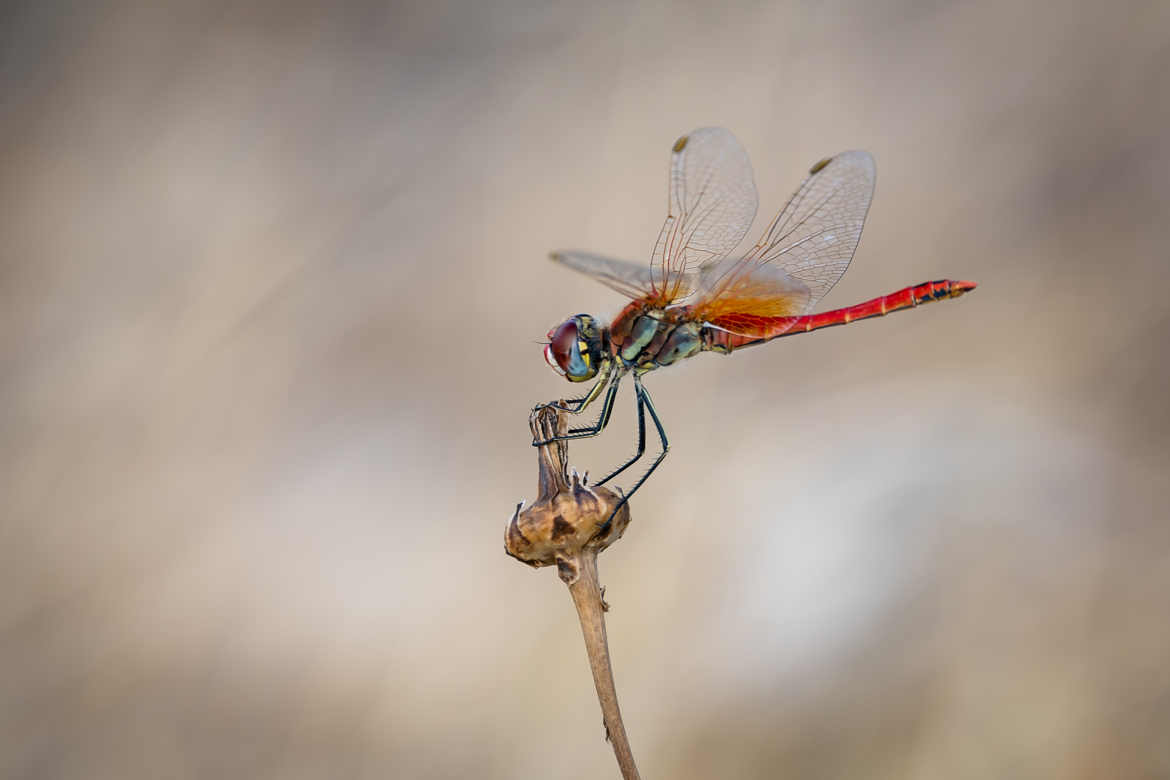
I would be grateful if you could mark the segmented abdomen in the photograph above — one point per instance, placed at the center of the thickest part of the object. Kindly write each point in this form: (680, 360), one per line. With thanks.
(735, 331)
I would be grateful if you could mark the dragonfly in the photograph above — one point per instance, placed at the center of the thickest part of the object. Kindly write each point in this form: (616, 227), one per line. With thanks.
(697, 295)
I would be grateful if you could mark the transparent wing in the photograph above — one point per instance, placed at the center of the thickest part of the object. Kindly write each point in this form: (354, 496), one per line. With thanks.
(712, 202)
(632, 279)
(814, 236)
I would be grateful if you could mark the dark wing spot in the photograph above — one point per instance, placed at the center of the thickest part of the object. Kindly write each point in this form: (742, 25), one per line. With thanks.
(819, 166)
(680, 144)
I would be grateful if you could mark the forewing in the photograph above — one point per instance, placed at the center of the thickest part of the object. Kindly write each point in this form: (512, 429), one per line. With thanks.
(814, 236)
(632, 279)
(711, 204)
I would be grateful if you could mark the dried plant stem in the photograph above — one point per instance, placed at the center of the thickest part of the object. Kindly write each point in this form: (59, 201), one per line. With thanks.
(570, 523)
(586, 593)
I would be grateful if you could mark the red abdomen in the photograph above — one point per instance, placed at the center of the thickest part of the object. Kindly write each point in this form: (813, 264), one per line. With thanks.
(734, 331)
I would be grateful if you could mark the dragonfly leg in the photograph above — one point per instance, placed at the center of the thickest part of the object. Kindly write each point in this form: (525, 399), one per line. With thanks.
(576, 405)
(641, 441)
(598, 426)
(572, 405)
(643, 402)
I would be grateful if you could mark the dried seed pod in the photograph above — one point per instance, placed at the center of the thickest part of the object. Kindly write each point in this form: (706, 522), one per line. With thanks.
(564, 527)
(569, 513)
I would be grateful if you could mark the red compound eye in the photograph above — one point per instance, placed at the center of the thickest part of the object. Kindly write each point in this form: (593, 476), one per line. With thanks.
(548, 358)
(562, 342)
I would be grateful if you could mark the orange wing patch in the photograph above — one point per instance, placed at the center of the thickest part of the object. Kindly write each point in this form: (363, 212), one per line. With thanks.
(753, 301)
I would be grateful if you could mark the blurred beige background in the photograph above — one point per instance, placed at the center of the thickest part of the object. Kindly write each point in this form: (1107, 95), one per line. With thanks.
(269, 285)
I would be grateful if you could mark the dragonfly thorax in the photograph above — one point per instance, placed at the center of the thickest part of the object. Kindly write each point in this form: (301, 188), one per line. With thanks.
(577, 348)
(646, 338)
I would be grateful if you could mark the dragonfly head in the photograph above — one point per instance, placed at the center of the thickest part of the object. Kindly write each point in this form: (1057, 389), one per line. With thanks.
(574, 348)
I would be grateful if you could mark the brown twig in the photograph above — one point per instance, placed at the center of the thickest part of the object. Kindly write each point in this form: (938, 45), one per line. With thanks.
(562, 529)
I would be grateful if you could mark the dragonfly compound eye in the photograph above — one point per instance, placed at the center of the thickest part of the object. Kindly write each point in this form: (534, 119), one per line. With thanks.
(569, 353)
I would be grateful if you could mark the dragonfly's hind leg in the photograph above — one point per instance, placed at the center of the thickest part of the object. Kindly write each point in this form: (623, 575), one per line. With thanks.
(641, 441)
(598, 425)
(644, 403)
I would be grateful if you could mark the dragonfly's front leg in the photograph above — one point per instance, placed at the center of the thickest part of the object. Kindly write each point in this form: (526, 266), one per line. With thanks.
(598, 426)
(576, 405)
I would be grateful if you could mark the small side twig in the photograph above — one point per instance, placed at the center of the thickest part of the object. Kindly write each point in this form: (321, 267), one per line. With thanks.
(561, 529)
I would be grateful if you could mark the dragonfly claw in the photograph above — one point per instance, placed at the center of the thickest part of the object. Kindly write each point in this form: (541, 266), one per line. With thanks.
(572, 406)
